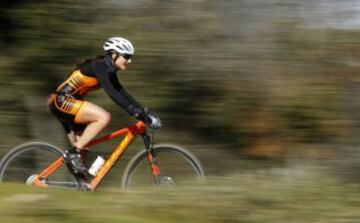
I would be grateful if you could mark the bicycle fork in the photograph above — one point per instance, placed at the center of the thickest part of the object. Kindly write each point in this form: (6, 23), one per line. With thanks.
(155, 170)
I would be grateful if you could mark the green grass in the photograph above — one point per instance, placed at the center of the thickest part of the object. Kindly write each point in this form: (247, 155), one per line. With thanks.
(252, 197)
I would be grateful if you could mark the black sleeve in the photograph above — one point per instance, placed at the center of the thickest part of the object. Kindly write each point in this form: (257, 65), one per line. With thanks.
(117, 93)
(114, 80)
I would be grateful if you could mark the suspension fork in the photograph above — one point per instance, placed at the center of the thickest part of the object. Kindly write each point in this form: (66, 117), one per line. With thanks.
(151, 156)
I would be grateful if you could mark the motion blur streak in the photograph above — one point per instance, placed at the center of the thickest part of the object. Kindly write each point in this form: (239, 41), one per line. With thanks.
(248, 86)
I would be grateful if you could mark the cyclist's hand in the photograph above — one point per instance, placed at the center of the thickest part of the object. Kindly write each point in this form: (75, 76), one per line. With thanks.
(153, 121)
(150, 119)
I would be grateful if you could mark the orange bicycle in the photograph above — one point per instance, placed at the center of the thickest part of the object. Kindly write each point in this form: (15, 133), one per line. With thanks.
(42, 165)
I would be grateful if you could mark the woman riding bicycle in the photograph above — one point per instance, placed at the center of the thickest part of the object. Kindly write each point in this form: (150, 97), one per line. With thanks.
(83, 120)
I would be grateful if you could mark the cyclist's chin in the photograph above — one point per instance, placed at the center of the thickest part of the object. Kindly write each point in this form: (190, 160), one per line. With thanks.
(123, 68)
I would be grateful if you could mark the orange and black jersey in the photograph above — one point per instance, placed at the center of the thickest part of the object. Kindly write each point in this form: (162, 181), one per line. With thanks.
(95, 74)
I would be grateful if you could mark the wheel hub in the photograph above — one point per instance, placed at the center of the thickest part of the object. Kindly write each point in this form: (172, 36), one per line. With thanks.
(30, 180)
(166, 181)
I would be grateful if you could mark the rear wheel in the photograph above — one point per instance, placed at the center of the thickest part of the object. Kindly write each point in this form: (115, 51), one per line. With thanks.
(177, 167)
(24, 162)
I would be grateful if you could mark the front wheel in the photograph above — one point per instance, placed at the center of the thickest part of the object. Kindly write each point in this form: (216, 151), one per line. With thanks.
(177, 167)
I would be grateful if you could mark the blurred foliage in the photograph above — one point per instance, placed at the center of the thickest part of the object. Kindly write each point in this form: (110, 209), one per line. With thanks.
(268, 196)
(258, 78)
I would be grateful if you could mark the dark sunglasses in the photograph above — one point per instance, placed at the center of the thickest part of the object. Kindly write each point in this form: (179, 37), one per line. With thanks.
(126, 56)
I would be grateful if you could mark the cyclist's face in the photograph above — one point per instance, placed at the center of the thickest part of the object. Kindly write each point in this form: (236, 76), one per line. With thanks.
(121, 62)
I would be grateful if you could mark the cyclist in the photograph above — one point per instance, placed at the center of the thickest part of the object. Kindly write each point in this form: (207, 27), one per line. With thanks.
(83, 120)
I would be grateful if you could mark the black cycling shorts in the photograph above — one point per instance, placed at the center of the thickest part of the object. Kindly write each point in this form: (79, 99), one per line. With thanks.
(68, 111)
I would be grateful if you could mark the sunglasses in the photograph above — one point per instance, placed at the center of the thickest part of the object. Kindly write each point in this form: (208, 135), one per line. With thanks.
(126, 56)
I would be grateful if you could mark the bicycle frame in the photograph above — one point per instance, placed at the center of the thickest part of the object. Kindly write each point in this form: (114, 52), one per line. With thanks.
(130, 133)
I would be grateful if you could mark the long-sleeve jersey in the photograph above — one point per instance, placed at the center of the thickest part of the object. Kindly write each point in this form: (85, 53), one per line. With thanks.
(95, 74)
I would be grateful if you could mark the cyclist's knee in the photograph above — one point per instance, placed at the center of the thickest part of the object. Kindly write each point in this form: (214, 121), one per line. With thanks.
(105, 119)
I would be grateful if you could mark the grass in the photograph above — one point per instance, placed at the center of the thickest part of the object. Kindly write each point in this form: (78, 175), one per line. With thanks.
(252, 197)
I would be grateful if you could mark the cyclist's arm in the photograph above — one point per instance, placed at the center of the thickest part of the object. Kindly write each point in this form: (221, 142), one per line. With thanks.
(114, 80)
(116, 92)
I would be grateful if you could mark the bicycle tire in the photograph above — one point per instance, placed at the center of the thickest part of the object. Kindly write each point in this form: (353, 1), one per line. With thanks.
(180, 153)
(26, 160)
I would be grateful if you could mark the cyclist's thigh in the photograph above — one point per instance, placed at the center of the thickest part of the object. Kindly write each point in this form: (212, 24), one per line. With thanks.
(90, 112)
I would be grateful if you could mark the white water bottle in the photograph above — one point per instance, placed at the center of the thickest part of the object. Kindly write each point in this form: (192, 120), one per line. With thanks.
(97, 164)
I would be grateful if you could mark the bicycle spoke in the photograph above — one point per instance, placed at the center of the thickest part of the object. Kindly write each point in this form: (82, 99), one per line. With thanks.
(177, 167)
(32, 158)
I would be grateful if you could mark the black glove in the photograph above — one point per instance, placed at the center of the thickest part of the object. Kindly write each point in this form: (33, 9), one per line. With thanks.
(149, 118)
(140, 114)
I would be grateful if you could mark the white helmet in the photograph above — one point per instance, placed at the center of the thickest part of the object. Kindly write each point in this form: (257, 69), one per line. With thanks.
(119, 45)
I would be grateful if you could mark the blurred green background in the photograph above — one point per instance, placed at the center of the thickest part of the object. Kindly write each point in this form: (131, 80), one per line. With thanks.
(247, 85)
